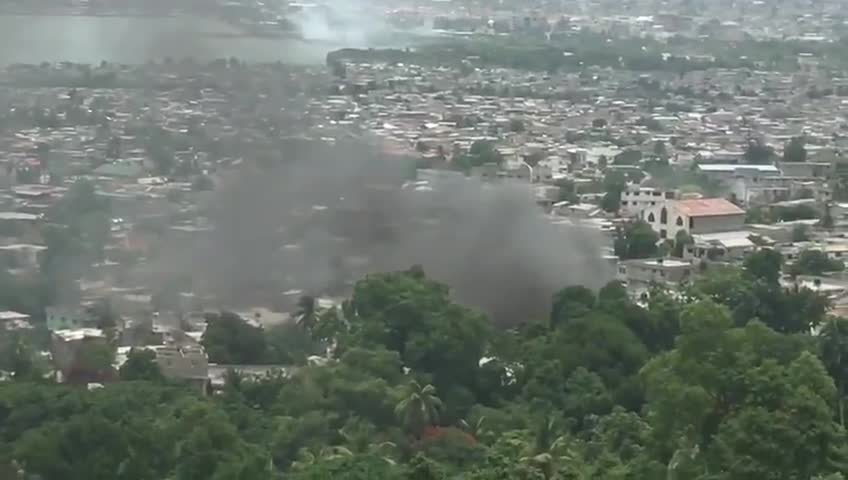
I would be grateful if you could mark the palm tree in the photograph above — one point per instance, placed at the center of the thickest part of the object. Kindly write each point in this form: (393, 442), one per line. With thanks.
(682, 456)
(332, 453)
(419, 407)
(306, 457)
(359, 439)
(550, 452)
(307, 312)
(834, 344)
(474, 428)
(328, 325)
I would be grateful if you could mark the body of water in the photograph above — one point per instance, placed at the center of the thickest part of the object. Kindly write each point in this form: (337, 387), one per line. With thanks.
(132, 40)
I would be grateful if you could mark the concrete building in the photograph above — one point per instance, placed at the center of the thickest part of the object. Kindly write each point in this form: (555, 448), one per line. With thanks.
(67, 318)
(645, 272)
(11, 321)
(634, 199)
(733, 245)
(706, 215)
(66, 347)
(806, 169)
(188, 362)
(725, 171)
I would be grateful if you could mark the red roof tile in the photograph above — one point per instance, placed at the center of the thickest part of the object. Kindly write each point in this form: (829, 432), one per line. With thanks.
(707, 207)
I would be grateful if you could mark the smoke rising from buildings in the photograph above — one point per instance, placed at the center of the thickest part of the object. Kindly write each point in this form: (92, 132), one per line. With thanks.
(353, 23)
(328, 215)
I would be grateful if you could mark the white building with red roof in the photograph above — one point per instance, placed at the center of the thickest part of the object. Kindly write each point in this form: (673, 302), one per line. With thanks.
(696, 216)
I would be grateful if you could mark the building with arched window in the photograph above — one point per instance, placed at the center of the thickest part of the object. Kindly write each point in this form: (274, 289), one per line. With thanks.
(634, 199)
(705, 215)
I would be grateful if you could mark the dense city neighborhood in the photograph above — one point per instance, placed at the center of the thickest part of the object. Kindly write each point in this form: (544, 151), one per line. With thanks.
(515, 239)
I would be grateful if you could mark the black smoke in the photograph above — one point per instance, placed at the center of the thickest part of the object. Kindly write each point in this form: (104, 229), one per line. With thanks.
(326, 215)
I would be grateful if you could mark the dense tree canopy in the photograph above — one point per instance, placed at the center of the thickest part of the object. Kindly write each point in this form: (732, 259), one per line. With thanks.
(636, 240)
(815, 262)
(140, 365)
(229, 339)
(716, 383)
(795, 150)
(758, 152)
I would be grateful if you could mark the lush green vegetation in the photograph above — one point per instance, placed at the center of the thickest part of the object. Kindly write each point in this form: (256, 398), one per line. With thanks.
(636, 240)
(803, 211)
(480, 153)
(815, 262)
(719, 383)
(571, 52)
(577, 50)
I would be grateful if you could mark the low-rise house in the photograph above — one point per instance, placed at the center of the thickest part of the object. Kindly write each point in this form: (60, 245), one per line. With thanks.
(642, 273)
(125, 170)
(22, 255)
(723, 245)
(68, 318)
(727, 171)
(179, 362)
(187, 362)
(11, 321)
(70, 352)
(806, 169)
(696, 216)
(22, 226)
(576, 210)
(218, 373)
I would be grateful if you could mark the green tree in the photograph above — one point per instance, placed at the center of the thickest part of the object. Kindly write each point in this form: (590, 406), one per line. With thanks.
(516, 125)
(660, 149)
(481, 152)
(795, 150)
(18, 357)
(611, 201)
(834, 353)
(740, 396)
(419, 407)
(681, 241)
(758, 152)
(229, 339)
(815, 262)
(789, 310)
(356, 467)
(93, 362)
(141, 365)
(797, 212)
(756, 215)
(290, 344)
(551, 454)
(571, 302)
(636, 240)
(567, 191)
(307, 312)
(212, 448)
(86, 446)
(827, 218)
(800, 233)
(614, 184)
(585, 395)
(765, 264)
(410, 314)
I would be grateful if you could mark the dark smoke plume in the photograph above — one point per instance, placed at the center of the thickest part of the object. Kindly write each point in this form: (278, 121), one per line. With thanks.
(327, 215)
